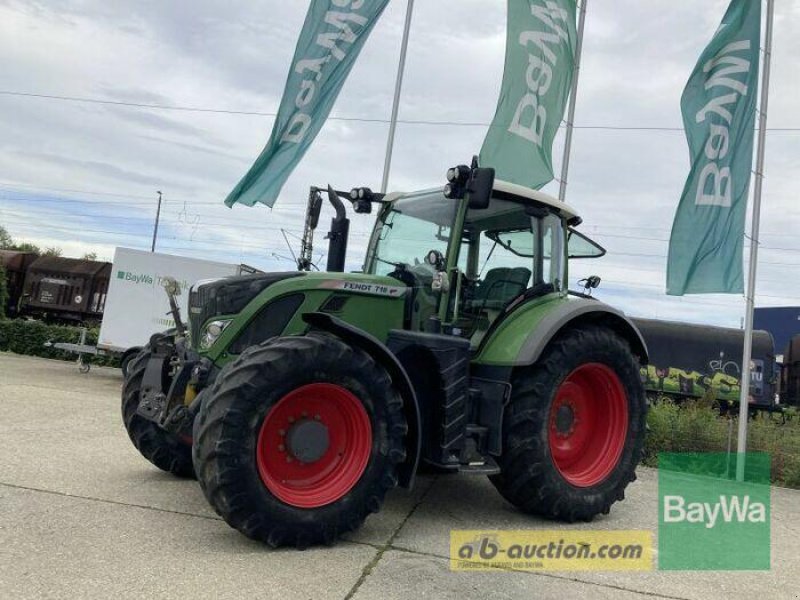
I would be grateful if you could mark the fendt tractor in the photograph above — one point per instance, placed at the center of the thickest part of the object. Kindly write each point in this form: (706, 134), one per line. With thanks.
(299, 399)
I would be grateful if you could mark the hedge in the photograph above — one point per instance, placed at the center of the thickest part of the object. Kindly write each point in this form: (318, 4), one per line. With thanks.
(697, 427)
(28, 337)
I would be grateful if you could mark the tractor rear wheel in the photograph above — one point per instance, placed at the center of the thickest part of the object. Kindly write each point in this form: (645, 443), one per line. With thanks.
(166, 451)
(574, 428)
(299, 440)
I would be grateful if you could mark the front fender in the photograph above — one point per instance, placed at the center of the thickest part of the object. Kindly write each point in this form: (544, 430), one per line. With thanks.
(524, 333)
(375, 348)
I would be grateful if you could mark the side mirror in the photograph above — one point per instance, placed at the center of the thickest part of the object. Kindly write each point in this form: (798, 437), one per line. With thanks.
(479, 188)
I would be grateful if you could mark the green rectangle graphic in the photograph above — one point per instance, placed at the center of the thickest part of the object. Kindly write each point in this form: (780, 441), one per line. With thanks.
(709, 521)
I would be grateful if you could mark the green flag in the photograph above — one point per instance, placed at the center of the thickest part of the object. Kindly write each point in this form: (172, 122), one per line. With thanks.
(537, 77)
(333, 34)
(719, 107)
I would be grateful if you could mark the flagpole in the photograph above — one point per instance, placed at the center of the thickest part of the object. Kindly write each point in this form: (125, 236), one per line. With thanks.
(562, 186)
(751, 275)
(387, 164)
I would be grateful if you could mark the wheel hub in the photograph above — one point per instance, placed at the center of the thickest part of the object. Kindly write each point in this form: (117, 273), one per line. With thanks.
(565, 419)
(307, 440)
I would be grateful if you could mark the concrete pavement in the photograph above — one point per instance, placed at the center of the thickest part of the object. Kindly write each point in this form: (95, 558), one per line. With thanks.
(82, 515)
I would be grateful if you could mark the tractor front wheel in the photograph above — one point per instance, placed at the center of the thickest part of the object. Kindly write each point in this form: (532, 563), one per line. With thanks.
(574, 429)
(165, 450)
(299, 440)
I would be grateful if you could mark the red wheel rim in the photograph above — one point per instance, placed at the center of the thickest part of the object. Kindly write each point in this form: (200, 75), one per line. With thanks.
(588, 424)
(320, 480)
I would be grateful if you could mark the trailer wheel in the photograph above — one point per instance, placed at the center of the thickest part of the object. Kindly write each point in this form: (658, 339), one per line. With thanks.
(166, 451)
(574, 428)
(299, 440)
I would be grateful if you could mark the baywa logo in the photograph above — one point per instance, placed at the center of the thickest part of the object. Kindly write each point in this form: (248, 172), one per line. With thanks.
(708, 519)
(147, 279)
(137, 278)
(729, 508)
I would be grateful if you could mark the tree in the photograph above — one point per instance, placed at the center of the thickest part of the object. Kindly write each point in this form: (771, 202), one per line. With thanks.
(90, 256)
(5, 239)
(27, 247)
(53, 251)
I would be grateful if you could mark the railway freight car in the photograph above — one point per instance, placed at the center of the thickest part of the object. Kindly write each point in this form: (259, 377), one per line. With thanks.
(65, 289)
(15, 264)
(790, 375)
(686, 360)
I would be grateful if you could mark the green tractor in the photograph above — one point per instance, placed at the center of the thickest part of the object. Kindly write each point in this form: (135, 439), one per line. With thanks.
(299, 399)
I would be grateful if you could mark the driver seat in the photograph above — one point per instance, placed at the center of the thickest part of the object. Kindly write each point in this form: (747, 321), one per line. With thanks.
(500, 286)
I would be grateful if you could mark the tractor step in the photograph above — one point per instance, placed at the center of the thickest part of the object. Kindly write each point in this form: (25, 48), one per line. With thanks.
(487, 467)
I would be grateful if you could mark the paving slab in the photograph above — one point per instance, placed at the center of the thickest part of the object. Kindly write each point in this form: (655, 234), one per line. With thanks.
(409, 575)
(65, 547)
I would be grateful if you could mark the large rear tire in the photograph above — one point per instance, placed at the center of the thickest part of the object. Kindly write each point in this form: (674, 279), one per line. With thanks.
(299, 440)
(574, 428)
(166, 451)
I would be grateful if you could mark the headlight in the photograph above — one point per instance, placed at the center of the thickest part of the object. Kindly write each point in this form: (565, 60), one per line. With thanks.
(212, 331)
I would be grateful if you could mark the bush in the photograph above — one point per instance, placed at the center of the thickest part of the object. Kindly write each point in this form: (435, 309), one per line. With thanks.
(28, 337)
(693, 427)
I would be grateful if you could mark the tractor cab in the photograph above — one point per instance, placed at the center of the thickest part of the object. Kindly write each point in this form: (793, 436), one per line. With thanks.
(468, 265)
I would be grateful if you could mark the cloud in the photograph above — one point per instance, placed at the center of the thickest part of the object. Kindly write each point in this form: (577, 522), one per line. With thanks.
(235, 55)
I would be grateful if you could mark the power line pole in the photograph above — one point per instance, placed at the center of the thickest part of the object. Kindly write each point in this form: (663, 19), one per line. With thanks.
(155, 225)
(744, 398)
(387, 164)
(562, 186)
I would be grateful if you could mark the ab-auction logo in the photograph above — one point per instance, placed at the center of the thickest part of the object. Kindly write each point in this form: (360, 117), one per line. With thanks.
(707, 519)
(542, 550)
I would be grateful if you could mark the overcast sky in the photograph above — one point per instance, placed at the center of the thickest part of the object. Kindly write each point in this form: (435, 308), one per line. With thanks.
(84, 176)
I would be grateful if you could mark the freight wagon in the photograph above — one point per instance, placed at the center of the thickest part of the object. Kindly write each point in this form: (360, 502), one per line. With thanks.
(15, 264)
(65, 289)
(686, 360)
(790, 375)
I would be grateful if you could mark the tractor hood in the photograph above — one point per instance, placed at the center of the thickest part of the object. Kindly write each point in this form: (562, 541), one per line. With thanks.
(278, 297)
(228, 296)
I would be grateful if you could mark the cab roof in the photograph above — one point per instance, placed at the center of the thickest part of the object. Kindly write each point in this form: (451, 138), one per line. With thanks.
(504, 190)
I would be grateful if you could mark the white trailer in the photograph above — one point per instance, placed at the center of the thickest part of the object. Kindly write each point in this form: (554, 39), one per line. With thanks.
(137, 306)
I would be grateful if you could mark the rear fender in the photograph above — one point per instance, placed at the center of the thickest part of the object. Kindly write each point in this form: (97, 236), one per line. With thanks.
(520, 336)
(377, 350)
(574, 314)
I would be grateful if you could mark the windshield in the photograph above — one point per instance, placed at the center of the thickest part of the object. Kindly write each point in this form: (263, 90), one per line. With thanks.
(414, 226)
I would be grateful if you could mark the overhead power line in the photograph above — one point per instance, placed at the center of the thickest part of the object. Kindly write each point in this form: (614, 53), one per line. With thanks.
(256, 113)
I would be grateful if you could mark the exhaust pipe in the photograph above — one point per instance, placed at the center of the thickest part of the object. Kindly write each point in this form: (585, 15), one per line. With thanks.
(337, 236)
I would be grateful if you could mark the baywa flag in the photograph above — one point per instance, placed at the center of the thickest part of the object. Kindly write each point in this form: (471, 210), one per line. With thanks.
(718, 106)
(540, 59)
(333, 34)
